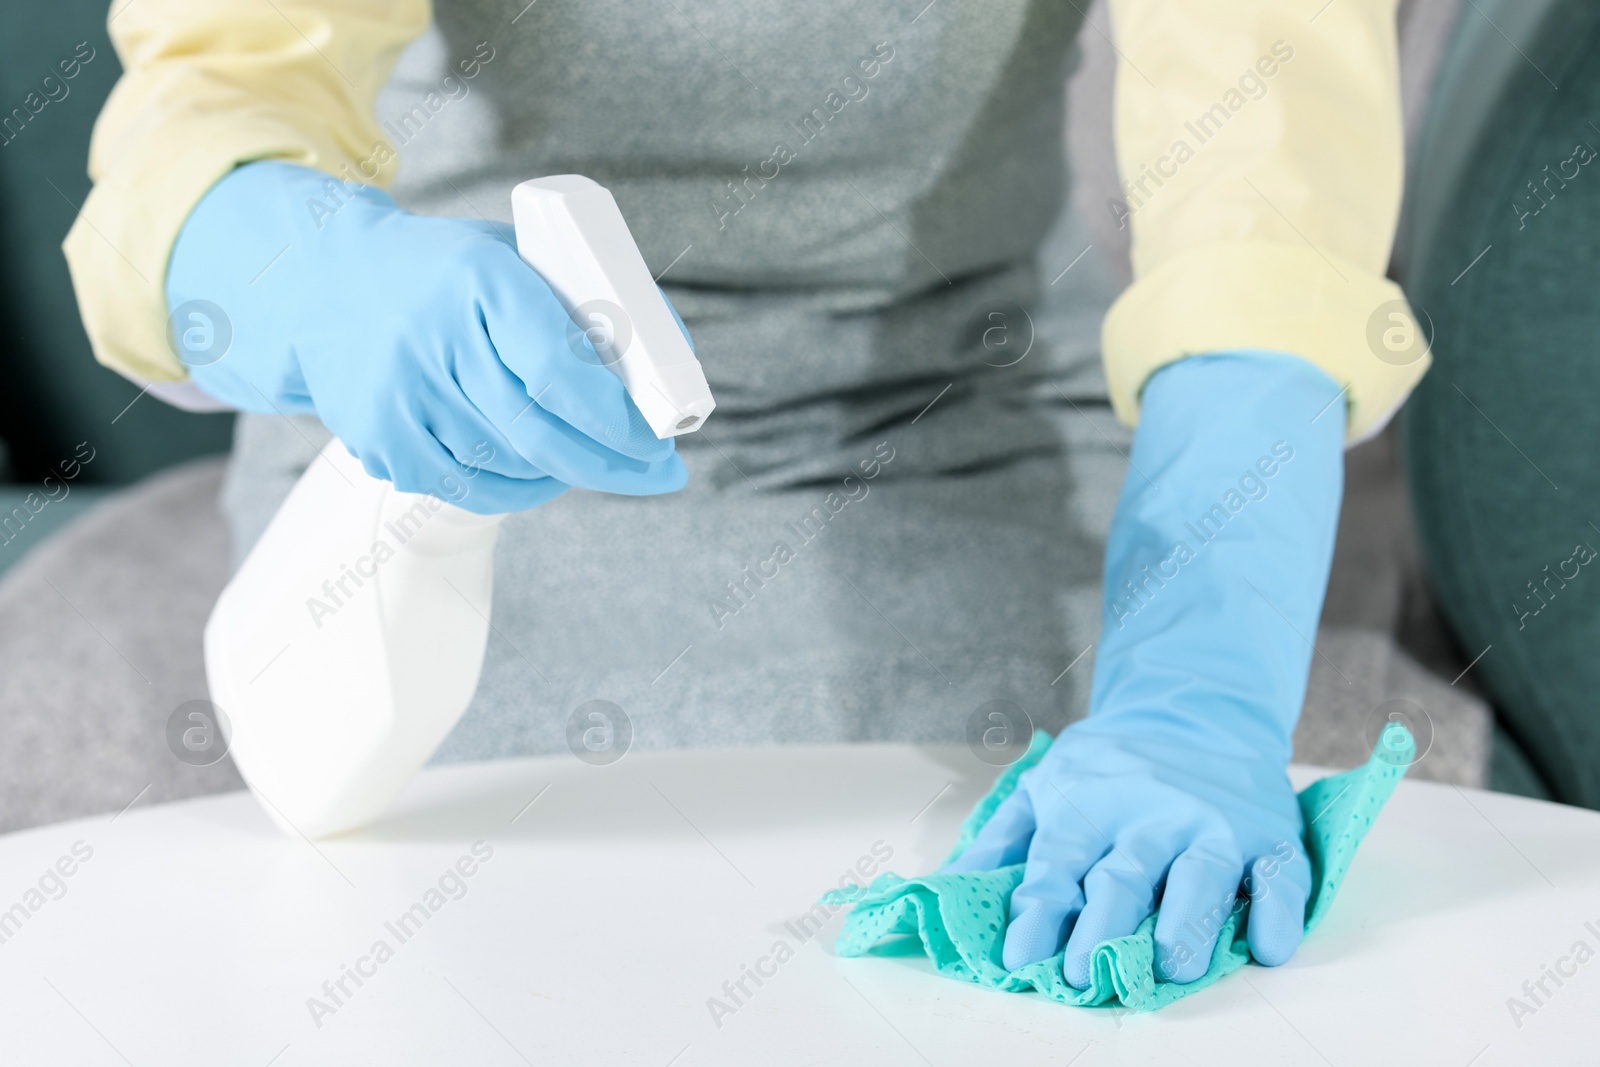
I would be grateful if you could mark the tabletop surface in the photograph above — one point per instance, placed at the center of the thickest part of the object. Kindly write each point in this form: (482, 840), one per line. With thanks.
(549, 911)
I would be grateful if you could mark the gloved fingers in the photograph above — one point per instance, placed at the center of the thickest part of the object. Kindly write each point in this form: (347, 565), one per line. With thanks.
(1050, 897)
(494, 494)
(1279, 885)
(535, 338)
(564, 453)
(1003, 839)
(1202, 885)
(429, 467)
(1118, 897)
(500, 399)
(473, 440)
(550, 445)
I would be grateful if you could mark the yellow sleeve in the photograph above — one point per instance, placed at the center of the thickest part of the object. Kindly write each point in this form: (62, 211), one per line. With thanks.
(208, 85)
(1261, 151)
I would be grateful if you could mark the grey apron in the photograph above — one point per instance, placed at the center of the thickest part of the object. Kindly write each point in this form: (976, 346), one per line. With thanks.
(895, 515)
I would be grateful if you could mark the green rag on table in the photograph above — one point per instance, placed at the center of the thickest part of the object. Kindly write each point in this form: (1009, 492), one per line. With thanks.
(961, 918)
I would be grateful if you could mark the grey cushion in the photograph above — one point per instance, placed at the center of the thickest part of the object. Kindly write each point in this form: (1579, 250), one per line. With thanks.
(100, 640)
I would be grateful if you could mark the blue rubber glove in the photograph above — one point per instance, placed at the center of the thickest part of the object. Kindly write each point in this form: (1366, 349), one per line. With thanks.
(1174, 788)
(425, 344)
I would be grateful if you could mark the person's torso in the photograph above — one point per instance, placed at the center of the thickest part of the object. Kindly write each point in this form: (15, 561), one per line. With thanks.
(860, 151)
(846, 203)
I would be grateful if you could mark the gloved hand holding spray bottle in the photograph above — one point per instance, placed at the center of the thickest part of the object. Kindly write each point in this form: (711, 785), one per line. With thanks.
(351, 639)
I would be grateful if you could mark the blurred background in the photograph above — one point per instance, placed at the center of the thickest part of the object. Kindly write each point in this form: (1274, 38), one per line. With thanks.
(55, 395)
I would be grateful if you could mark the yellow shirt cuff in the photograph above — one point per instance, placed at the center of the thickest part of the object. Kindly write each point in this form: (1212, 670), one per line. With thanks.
(1355, 326)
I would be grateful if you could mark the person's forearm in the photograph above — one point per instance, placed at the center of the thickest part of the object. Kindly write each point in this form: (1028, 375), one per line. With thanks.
(1219, 553)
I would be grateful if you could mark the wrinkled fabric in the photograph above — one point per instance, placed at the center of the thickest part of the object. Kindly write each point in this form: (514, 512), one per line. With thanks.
(960, 919)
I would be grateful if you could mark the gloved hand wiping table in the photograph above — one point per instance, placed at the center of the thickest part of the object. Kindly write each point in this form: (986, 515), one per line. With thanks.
(1173, 792)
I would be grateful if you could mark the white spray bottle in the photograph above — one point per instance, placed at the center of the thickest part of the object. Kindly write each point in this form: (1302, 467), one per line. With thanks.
(351, 640)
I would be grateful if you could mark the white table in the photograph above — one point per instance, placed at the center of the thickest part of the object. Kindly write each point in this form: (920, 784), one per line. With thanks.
(623, 898)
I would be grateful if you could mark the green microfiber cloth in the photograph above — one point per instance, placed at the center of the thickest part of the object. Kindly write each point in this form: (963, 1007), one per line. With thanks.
(961, 918)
